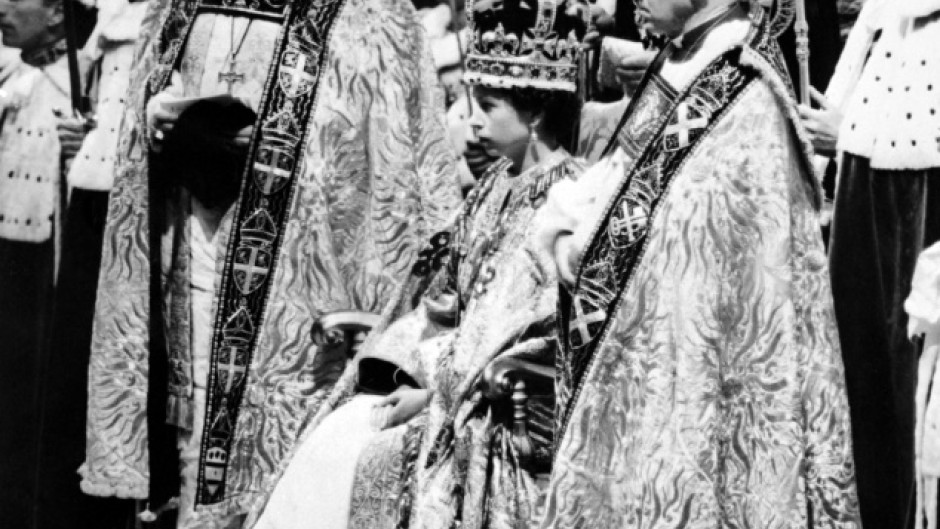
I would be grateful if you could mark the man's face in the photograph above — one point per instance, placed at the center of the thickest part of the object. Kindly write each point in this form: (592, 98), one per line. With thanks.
(665, 17)
(27, 24)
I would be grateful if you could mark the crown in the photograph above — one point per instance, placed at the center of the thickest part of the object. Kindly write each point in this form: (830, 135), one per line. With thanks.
(516, 45)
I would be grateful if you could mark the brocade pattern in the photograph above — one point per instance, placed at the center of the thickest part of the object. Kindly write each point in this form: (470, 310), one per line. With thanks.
(377, 179)
(720, 383)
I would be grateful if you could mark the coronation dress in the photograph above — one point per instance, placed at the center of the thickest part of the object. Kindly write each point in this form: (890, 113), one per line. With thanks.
(479, 290)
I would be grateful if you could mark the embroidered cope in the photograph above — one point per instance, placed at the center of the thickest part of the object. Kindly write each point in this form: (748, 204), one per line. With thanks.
(338, 221)
(412, 475)
(700, 328)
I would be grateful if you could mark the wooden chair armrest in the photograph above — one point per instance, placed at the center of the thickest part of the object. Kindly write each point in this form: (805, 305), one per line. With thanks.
(501, 375)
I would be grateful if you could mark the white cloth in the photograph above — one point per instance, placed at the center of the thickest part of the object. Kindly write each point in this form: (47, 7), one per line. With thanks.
(10, 62)
(889, 90)
(923, 308)
(204, 237)
(303, 499)
(112, 42)
(448, 49)
(597, 125)
(435, 20)
(565, 222)
(207, 52)
(29, 151)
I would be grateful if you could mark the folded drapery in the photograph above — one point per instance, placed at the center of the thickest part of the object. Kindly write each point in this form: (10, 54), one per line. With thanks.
(923, 308)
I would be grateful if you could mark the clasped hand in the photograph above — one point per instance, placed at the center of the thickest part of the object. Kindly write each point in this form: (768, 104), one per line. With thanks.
(162, 116)
(399, 407)
(72, 132)
(631, 70)
(822, 124)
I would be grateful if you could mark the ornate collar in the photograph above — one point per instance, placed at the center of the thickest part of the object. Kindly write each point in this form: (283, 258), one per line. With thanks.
(46, 55)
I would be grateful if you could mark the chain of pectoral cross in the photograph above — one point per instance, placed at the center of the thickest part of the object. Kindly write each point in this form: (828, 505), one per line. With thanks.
(231, 76)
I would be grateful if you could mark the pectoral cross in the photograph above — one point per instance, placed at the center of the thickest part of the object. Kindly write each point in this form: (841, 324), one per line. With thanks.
(231, 76)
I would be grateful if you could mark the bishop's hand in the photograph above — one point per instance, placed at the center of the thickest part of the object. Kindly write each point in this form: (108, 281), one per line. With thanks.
(206, 149)
(71, 132)
(822, 123)
(161, 117)
(567, 260)
(243, 137)
(631, 69)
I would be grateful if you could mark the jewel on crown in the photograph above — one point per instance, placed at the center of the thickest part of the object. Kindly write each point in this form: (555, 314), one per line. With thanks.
(498, 43)
(548, 48)
(533, 56)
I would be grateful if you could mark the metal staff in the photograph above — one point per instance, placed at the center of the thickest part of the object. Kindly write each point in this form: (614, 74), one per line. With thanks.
(80, 105)
(801, 31)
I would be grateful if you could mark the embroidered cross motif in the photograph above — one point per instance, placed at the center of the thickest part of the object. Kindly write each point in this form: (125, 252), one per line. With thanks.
(252, 273)
(684, 124)
(231, 369)
(297, 76)
(632, 222)
(580, 322)
(270, 174)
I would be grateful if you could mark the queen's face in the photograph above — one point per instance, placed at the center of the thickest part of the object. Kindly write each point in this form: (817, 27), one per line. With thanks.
(501, 129)
(665, 17)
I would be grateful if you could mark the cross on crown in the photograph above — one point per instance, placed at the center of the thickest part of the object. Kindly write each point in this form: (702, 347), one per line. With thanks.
(499, 43)
(540, 48)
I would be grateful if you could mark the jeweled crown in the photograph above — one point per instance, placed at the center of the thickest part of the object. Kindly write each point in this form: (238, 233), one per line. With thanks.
(516, 44)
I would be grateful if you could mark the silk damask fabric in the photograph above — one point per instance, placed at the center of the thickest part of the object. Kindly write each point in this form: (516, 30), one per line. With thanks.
(376, 179)
(469, 473)
(719, 381)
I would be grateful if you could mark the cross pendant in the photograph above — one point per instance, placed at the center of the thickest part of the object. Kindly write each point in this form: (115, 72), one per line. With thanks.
(231, 76)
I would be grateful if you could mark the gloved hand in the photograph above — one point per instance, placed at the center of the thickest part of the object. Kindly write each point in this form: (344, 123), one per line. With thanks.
(205, 151)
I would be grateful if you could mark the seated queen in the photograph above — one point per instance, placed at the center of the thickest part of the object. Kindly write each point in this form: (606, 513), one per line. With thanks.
(409, 437)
